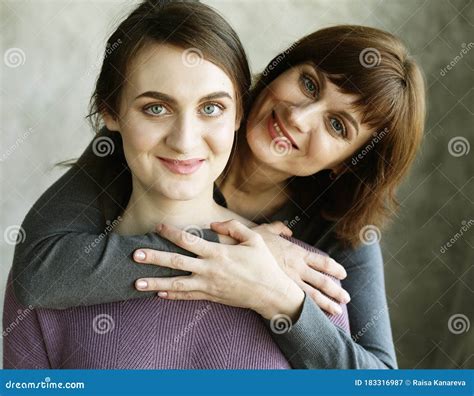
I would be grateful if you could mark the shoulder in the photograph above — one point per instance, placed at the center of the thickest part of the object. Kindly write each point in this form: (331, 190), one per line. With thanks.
(367, 254)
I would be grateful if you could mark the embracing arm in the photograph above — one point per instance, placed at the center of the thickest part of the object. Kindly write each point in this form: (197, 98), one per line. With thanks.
(314, 342)
(71, 257)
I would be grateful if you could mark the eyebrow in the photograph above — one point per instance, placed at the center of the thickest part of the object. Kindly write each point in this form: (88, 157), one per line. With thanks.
(167, 98)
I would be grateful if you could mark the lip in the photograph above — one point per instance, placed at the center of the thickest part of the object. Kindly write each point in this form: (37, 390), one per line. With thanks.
(274, 118)
(182, 167)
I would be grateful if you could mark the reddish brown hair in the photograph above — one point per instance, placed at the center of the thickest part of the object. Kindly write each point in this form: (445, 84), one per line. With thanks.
(375, 66)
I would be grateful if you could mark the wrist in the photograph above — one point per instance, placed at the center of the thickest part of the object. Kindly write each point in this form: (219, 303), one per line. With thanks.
(287, 300)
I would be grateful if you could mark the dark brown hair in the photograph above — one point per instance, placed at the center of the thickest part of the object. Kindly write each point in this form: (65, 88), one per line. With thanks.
(190, 25)
(186, 24)
(375, 66)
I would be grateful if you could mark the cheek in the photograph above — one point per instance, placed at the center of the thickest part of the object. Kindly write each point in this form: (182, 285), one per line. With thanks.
(140, 135)
(285, 88)
(325, 151)
(220, 136)
(322, 148)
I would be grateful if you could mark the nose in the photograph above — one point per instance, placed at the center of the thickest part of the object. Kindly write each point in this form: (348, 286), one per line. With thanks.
(183, 135)
(302, 117)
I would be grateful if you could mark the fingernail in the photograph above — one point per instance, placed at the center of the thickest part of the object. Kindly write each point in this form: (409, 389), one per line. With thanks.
(140, 255)
(162, 294)
(338, 310)
(159, 227)
(142, 284)
(347, 298)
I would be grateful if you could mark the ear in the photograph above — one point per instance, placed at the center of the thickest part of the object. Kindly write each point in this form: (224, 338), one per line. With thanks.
(110, 122)
(238, 122)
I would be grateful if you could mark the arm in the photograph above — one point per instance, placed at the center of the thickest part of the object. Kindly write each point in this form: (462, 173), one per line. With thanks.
(23, 343)
(70, 256)
(313, 342)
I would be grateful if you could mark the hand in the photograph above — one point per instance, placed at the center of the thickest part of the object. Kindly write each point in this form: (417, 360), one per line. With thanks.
(306, 268)
(244, 275)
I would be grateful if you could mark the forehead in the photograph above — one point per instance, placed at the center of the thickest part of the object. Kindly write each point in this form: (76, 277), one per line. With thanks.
(184, 74)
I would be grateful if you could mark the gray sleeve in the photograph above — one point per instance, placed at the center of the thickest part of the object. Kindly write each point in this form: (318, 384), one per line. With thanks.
(314, 342)
(70, 256)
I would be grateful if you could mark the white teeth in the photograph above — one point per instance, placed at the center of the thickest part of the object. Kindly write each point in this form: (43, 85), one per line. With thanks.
(277, 128)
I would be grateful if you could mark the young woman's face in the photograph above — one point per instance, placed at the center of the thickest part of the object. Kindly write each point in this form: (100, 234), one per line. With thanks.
(301, 123)
(177, 122)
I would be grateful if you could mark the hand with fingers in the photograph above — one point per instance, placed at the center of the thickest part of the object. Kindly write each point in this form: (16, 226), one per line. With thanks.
(235, 275)
(306, 266)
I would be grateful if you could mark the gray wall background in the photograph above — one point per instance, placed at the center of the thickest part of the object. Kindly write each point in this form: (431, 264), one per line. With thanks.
(47, 78)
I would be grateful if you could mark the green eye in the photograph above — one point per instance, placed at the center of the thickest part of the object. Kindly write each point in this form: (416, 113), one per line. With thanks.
(156, 109)
(309, 85)
(337, 126)
(211, 109)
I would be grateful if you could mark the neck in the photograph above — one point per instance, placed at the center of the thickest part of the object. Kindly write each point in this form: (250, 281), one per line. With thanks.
(147, 208)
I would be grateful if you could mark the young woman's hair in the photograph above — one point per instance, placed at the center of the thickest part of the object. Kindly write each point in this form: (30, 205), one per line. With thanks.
(375, 66)
(190, 25)
(202, 34)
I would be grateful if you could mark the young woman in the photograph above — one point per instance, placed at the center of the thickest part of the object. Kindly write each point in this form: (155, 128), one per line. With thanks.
(207, 108)
(328, 104)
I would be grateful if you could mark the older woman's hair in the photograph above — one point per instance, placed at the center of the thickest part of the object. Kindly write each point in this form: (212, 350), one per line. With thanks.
(375, 66)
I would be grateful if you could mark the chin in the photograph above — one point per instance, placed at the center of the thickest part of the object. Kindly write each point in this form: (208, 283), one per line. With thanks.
(181, 191)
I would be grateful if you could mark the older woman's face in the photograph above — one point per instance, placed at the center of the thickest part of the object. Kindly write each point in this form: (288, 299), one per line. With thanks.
(177, 122)
(301, 123)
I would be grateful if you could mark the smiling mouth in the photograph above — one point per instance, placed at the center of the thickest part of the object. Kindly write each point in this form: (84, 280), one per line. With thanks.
(281, 132)
(181, 167)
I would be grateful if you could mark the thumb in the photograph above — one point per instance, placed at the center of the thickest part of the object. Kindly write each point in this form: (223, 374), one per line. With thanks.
(235, 229)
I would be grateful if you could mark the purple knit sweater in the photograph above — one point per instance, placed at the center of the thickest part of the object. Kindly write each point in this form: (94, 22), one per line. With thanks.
(144, 333)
